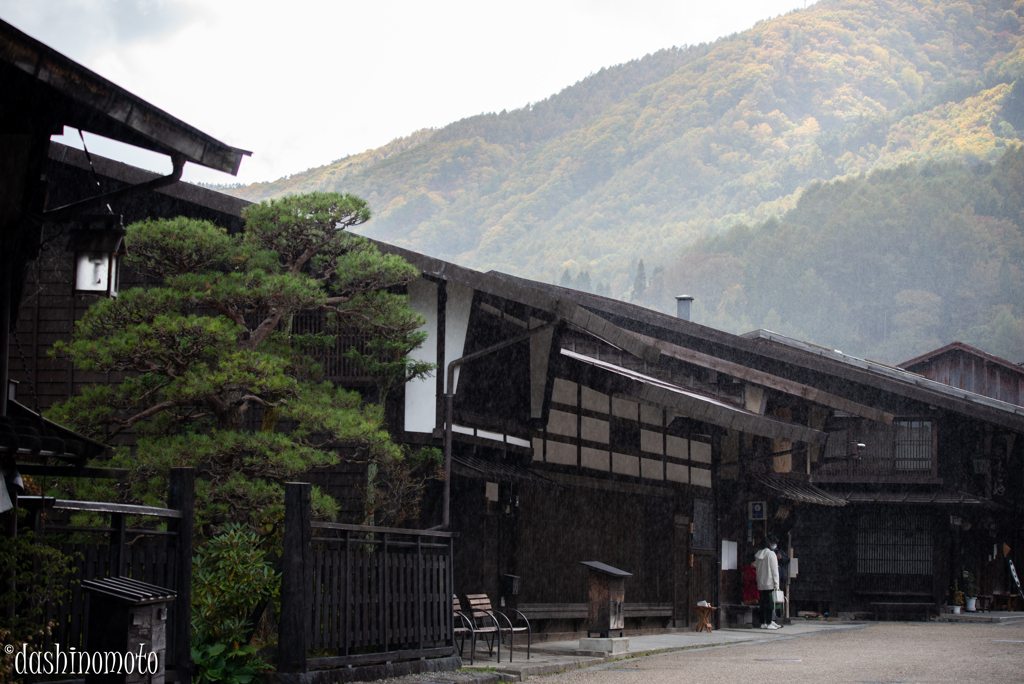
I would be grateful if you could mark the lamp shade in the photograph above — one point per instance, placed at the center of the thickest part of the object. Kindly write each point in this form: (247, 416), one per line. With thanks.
(98, 246)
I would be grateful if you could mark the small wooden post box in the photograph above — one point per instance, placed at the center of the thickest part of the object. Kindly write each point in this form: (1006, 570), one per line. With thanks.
(607, 596)
(128, 617)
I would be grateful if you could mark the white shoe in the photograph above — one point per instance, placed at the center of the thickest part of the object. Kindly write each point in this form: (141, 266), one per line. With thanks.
(775, 625)
(764, 626)
(772, 626)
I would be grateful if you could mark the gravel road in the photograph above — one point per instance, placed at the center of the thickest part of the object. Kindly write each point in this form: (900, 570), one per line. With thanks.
(884, 653)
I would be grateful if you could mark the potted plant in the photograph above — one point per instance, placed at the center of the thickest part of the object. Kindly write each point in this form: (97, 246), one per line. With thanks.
(970, 591)
(957, 598)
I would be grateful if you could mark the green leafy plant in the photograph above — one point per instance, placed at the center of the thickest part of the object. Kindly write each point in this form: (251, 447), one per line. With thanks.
(215, 663)
(232, 584)
(956, 596)
(970, 585)
(41, 577)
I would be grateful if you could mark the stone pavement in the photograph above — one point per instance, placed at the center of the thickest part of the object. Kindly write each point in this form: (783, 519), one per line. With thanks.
(550, 657)
(997, 617)
(871, 653)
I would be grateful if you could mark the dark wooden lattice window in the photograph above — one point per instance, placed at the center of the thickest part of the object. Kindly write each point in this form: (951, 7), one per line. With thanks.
(890, 544)
(912, 444)
(907, 447)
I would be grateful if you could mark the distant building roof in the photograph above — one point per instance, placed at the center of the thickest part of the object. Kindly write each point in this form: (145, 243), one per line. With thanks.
(906, 378)
(965, 348)
(962, 366)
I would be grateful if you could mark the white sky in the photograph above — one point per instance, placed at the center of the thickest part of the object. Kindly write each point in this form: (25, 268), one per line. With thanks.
(302, 83)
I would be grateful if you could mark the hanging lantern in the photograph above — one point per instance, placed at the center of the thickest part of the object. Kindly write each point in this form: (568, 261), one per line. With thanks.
(98, 246)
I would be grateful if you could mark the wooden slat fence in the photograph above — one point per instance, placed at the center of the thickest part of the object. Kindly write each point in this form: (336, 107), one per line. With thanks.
(161, 558)
(367, 594)
(145, 561)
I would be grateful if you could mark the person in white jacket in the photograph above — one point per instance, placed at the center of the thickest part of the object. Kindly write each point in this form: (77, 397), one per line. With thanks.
(767, 565)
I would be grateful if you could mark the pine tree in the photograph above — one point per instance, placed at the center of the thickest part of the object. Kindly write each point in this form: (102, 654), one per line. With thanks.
(640, 282)
(213, 344)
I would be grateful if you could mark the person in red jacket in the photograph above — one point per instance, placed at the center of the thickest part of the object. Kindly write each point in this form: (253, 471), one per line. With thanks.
(748, 587)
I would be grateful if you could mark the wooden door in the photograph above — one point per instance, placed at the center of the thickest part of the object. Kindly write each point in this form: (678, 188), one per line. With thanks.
(681, 571)
(702, 579)
(703, 560)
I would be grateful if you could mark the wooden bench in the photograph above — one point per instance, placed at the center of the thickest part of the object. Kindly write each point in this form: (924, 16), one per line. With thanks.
(554, 611)
(577, 612)
(900, 601)
(740, 614)
(903, 607)
(645, 610)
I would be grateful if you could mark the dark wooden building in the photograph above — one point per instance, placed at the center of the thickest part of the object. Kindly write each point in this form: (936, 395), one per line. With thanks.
(576, 437)
(48, 307)
(47, 190)
(619, 434)
(928, 486)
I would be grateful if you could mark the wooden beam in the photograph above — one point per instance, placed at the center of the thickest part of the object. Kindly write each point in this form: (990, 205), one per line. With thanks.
(774, 382)
(73, 471)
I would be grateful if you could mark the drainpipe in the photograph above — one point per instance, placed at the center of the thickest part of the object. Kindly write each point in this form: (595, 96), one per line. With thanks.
(5, 331)
(69, 211)
(449, 400)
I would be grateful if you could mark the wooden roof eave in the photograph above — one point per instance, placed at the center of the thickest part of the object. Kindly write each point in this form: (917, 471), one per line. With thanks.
(90, 102)
(736, 370)
(896, 381)
(519, 291)
(811, 366)
(657, 392)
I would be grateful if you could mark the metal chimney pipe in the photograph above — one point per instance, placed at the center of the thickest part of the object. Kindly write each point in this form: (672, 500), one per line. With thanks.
(683, 306)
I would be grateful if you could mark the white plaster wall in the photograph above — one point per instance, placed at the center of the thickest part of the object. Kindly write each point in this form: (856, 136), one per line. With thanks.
(456, 323)
(421, 394)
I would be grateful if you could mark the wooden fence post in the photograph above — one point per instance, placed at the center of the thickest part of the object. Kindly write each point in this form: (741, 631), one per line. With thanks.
(449, 600)
(291, 654)
(117, 549)
(181, 497)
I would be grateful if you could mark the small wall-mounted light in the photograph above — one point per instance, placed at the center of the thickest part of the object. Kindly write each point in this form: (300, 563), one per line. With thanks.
(98, 245)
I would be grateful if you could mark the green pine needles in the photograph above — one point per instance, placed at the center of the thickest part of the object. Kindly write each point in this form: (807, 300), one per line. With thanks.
(213, 373)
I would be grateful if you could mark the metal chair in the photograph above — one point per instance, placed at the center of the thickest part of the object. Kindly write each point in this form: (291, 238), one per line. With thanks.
(480, 622)
(482, 603)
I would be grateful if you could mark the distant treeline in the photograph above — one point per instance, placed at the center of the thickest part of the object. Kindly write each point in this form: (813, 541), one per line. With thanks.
(886, 265)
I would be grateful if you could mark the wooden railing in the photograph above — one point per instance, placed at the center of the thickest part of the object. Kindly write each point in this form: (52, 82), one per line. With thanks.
(370, 594)
(902, 452)
(164, 559)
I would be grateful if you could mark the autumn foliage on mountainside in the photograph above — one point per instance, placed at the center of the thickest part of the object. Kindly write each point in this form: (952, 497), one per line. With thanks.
(640, 160)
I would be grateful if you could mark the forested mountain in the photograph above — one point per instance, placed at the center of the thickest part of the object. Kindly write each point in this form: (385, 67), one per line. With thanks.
(641, 160)
(885, 265)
